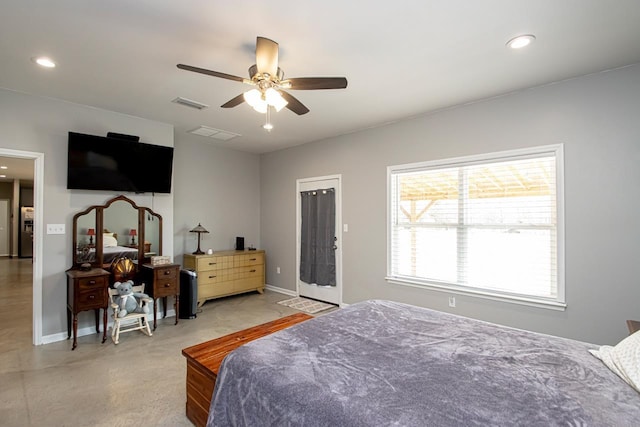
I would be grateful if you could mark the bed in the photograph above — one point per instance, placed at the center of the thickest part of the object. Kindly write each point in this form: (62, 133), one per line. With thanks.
(109, 254)
(380, 363)
(110, 250)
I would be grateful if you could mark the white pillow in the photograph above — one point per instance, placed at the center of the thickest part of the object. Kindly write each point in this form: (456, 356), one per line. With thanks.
(109, 241)
(107, 234)
(623, 359)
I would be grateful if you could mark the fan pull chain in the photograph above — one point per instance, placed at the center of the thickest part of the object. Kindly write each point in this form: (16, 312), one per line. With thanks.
(268, 126)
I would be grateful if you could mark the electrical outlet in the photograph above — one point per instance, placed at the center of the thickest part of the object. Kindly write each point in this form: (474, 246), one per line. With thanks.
(452, 301)
(278, 270)
(55, 228)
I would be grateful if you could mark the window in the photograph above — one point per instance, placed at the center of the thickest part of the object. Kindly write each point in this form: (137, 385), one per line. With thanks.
(487, 225)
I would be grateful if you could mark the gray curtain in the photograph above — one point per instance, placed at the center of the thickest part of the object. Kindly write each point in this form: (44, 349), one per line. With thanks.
(317, 237)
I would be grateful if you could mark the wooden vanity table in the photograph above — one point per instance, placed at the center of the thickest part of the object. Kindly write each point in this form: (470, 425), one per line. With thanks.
(91, 274)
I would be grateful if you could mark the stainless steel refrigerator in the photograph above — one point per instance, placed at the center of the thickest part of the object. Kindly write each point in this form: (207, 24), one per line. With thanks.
(26, 232)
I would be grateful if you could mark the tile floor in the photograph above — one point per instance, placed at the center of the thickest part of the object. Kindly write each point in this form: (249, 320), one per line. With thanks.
(141, 381)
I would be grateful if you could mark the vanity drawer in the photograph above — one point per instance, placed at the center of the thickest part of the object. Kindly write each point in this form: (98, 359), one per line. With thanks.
(91, 299)
(165, 281)
(165, 273)
(92, 283)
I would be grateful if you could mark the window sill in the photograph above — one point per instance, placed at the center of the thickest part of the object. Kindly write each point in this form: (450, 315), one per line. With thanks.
(512, 299)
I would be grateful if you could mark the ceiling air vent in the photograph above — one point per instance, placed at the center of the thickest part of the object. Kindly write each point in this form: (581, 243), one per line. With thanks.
(190, 103)
(223, 135)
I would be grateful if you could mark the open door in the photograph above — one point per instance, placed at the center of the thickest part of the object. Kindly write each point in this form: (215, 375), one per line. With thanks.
(319, 255)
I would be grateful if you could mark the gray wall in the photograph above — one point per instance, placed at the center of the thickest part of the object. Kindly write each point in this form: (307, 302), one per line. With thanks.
(595, 117)
(218, 188)
(36, 124)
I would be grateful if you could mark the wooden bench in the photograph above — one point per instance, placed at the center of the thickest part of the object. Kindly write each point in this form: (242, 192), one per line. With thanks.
(203, 363)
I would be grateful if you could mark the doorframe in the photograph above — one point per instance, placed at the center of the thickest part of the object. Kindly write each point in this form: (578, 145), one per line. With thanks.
(38, 205)
(8, 224)
(339, 256)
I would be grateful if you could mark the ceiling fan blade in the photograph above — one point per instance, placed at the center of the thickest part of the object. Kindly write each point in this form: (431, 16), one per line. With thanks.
(210, 73)
(311, 83)
(293, 104)
(267, 56)
(234, 102)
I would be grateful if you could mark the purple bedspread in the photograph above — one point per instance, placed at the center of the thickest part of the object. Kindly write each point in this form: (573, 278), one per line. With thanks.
(380, 363)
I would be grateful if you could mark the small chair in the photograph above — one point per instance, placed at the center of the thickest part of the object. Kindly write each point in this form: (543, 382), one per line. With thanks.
(132, 321)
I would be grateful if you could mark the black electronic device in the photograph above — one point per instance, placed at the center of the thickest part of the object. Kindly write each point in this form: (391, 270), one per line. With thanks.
(239, 243)
(114, 164)
(123, 136)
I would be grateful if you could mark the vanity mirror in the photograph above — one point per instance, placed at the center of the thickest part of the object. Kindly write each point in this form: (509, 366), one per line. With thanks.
(119, 228)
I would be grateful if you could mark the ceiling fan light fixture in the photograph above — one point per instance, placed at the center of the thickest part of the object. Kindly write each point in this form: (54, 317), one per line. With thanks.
(255, 99)
(275, 99)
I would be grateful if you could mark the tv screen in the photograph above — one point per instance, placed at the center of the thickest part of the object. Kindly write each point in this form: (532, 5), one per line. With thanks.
(112, 164)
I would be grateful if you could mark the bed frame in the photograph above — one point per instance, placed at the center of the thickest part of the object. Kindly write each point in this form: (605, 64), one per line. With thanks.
(203, 363)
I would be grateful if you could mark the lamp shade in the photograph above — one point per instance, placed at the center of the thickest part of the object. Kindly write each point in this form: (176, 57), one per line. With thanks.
(198, 229)
(133, 232)
(91, 232)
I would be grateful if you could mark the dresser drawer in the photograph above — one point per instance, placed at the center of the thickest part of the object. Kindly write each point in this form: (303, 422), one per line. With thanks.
(248, 259)
(214, 263)
(209, 290)
(248, 272)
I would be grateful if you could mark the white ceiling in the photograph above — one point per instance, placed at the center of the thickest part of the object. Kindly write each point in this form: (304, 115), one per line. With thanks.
(401, 58)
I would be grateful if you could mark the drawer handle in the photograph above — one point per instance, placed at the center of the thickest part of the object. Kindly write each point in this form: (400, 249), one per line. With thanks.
(166, 285)
(92, 297)
(252, 271)
(92, 282)
(212, 263)
(252, 259)
(166, 273)
(212, 277)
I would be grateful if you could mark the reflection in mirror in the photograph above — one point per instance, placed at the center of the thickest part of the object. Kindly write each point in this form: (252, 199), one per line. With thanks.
(85, 237)
(119, 219)
(151, 234)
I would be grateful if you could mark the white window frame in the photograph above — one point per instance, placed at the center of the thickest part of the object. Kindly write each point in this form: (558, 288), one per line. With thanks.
(557, 150)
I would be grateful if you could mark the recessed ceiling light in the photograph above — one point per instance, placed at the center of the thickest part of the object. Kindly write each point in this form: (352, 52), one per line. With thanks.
(3, 167)
(3, 176)
(44, 62)
(521, 41)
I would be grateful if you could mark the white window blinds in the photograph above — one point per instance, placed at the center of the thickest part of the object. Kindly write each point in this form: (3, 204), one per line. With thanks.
(484, 224)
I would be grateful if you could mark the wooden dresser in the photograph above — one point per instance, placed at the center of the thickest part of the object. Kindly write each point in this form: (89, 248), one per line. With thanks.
(227, 273)
(203, 363)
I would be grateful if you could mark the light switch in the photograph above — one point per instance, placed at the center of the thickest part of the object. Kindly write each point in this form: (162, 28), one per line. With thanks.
(55, 229)
(345, 227)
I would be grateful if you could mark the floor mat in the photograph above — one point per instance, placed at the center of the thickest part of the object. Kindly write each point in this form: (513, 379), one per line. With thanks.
(307, 305)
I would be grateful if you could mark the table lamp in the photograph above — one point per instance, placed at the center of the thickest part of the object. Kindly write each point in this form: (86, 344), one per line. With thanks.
(199, 229)
(133, 235)
(91, 232)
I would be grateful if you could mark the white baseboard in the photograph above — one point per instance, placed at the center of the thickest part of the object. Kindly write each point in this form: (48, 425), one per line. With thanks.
(91, 330)
(281, 290)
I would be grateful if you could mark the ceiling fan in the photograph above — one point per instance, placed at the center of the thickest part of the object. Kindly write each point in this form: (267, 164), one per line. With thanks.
(269, 82)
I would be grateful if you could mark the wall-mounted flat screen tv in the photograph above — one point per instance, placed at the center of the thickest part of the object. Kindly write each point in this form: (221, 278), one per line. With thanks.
(113, 164)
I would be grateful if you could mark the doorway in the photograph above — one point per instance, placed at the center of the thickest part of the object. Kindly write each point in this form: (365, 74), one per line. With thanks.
(329, 288)
(36, 264)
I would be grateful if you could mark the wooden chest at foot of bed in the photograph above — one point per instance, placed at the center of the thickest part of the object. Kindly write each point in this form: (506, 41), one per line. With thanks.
(203, 363)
